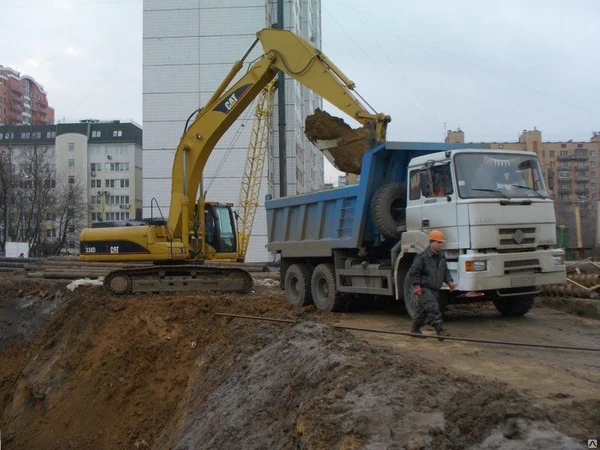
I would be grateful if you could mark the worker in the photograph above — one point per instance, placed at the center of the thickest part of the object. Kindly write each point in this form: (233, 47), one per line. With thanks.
(429, 270)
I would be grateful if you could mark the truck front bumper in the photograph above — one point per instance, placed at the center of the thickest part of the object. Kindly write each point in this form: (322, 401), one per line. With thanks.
(489, 271)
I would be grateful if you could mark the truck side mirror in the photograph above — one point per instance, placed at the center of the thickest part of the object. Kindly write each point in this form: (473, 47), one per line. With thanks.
(551, 178)
(426, 182)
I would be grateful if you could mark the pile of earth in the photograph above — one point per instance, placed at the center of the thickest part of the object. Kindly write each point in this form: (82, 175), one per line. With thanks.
(343, 146)
(164, 372)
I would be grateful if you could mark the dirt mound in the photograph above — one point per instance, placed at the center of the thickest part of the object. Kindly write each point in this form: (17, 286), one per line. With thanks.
(311, 386)
(346, 154)
(164, 372)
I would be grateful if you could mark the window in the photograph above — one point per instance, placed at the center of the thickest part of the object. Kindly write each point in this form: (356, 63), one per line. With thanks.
(51, 216)
(551, 153)
(117, 133)
(51, 232)
(71, 146)
(125, 183)
(71, 179)
(50, 183)
(71, 162)
(594, 185)
(593, 163)
(564, 174)
(96, 134)
(109, 183)
(415, 185)
(95, 167)
(564, 152)
(563, 145)
(592, 152)
(552, 164)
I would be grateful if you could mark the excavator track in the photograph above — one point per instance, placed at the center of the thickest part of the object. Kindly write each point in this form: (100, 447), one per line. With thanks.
(178, 278)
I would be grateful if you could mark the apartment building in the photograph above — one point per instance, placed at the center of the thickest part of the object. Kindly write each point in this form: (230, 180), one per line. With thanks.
(189, 47)
(102, 158)
(23, 100)
(576, 166)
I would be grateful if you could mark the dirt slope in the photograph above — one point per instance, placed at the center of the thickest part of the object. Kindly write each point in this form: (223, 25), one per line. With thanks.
(163, 372)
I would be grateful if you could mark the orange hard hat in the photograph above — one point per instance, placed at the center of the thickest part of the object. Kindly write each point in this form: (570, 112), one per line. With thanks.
(437, 235)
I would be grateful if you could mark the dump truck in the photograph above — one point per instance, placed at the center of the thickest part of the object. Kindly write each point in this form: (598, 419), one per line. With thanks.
(360, 240)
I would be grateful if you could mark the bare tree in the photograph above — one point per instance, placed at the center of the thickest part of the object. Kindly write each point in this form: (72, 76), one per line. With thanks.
(71, 214)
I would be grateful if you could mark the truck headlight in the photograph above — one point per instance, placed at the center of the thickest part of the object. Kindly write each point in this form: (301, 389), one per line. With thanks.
(476, 266)
(558, 260)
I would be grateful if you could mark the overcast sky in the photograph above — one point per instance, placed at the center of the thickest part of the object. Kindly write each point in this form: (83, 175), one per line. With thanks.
(492, 68)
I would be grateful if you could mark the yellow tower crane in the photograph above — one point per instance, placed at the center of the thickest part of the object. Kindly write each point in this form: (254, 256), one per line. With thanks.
(253, 170)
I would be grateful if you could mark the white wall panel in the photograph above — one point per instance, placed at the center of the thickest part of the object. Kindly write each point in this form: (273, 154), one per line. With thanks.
(172, 22)
(163, 51)
(170, 106)
(160, 79)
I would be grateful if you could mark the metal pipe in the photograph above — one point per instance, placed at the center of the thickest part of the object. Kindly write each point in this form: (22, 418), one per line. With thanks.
(404, 333)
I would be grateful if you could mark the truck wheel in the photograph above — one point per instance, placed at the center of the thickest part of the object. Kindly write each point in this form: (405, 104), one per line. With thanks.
(388, 209)
(297, 285)
(324, 293)
(513, 306)
(409, 298)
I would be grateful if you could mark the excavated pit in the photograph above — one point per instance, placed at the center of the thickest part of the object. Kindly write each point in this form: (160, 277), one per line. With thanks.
(163, 372)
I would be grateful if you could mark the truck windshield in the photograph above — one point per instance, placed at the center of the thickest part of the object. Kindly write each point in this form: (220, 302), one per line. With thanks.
(495, 175)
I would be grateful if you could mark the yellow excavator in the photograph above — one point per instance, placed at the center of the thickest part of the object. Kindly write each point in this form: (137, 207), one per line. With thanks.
(197, 231)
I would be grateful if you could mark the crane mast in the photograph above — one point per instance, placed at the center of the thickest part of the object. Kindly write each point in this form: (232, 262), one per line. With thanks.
(253, 170)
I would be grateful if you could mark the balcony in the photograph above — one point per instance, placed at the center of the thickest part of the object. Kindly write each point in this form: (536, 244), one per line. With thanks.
(565, 190)
(582, 191)
(582, 178)
(566, 157)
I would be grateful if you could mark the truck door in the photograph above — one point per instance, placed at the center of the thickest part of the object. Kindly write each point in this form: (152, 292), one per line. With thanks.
(438, 208)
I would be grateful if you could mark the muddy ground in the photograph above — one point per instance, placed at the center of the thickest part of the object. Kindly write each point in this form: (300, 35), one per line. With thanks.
(84, 370)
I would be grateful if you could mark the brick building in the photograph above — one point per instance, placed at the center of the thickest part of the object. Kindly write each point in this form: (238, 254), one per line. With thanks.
(23, 100)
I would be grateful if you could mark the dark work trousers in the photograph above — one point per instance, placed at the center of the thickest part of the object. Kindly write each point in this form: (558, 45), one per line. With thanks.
(428, 309)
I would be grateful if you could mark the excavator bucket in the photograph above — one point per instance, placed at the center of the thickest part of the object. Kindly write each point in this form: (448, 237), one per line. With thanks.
(341, 144)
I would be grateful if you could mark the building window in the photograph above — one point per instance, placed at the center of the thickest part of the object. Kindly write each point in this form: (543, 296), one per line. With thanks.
(593, 163)
(71, 146)
(564, 152)
(109, 183)
(71, 162)
(95, 167)
(594, 185)
(96, 134)
(551, 153)
(125, 183)
(117, 133)
(71, 179)
(563, 145)
(51, 232)
(564, 174)
(552, 164)
(592, 152)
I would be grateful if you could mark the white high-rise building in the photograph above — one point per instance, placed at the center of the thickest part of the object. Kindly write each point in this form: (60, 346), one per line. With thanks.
(189, 47)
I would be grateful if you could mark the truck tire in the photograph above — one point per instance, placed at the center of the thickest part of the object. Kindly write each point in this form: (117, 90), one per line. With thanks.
(388, 209)
(324, 292)
(513, 306)
(297, 285)
(409, 298)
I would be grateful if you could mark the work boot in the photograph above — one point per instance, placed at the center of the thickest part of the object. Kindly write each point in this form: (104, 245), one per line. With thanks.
(439, 329)
(416, 329)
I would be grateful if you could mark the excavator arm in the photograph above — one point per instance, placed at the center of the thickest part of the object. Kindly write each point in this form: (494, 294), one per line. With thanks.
(283, 51)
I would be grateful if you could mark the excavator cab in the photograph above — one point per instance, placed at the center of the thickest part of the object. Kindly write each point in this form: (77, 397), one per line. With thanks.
(220, 226)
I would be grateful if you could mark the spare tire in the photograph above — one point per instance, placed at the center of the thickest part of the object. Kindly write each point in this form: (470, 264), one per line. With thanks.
(388, 209)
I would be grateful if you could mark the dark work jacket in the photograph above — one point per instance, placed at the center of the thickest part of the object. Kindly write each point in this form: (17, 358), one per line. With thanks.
(429, 270)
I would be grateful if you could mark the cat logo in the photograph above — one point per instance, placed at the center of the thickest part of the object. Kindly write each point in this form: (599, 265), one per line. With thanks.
(227, 105)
